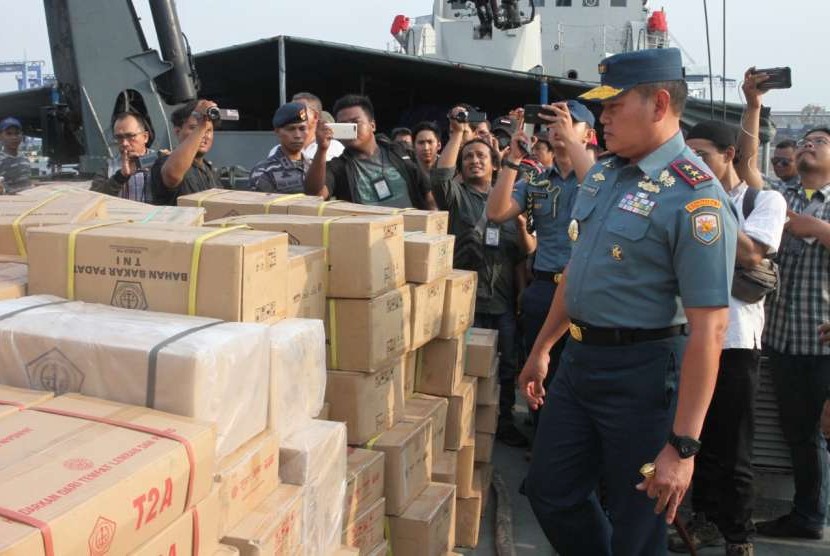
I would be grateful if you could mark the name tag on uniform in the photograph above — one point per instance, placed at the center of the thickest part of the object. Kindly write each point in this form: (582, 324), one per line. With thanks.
(491, 236)
(382, 189)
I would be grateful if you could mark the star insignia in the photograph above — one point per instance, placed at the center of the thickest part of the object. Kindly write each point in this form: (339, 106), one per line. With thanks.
(690, 173)
(598, 176)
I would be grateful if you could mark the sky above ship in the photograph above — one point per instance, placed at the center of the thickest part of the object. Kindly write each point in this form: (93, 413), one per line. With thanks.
(764, 33)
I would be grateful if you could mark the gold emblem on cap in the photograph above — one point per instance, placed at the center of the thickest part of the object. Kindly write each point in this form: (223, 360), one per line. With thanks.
(617, 252)
(666, 179)
(573, 229)
(602, 68)
(302, 115)
(648, 185)
(576, 332)
(599, 176)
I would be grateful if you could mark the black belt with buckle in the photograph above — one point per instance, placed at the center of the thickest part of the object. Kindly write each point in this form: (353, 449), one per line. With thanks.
(554, 277)
(595, 336)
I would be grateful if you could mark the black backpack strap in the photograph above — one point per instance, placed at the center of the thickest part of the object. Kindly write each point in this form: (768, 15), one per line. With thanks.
(749, 201)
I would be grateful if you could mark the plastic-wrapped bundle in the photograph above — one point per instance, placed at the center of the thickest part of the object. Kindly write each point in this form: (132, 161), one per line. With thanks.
(315, 457)
(298, 369)
(192, 366)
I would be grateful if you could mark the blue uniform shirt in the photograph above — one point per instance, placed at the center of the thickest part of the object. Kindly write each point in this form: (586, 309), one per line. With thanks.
(650, 239)
(552, 198)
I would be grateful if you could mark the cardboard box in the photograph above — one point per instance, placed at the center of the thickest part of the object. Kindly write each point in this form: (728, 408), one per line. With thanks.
(467, 521)
(365, 253)
(459, 303)
(245, 478)
(273, 527)
(13, 280)
(224, 203)
(324, 413)
(461, 414)
(202, 368)
(298, 349)
(407, 465)
(427, 312)
(482, 349)
(364, 482)
(66, 471)
(366, 531)
(345, 551)
(487, 418)
(414, 220)
(465, 470)
(409, 370)
(427, 527)
(428, 257)
(195, 532)
(485, 472)
(241, 273)
(315, 457)
(487, 390)
(484, 447)
(367, 403)
(445, 467)
(441, 367)
(424, 407)
(307, 275)
(366, 334)
(13, 400)
(142, 213)
(21, 213)
(226, 550)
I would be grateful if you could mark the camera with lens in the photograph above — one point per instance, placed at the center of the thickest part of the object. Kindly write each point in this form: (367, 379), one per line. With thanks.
(216, 114)
(471, 116)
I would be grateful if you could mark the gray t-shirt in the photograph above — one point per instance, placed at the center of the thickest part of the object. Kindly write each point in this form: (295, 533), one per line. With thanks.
(378, 182)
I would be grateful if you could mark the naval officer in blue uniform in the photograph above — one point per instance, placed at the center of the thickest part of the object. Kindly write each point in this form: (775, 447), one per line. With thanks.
(645, 298)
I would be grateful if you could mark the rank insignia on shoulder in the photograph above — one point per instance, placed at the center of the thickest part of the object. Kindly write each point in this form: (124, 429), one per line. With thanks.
(690, 173)
(706, 227)
(599, 176)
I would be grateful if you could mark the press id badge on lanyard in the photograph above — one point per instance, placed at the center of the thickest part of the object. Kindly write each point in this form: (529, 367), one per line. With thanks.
(491, 236)
(381, 189)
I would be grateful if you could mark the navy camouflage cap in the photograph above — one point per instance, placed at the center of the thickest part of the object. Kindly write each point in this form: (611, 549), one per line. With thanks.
(290, 113)
(621, 72)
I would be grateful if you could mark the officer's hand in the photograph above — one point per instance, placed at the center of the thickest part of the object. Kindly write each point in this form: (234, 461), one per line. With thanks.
(825, 419)
(531, 380)
(519, 146)
(824, 333)
(127, 165)
(672, 476)
(801, 225)
(459, 127)
(323, 134)
(750, 87)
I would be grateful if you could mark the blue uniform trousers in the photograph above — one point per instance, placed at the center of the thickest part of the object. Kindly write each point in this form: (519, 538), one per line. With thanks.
(608, 411)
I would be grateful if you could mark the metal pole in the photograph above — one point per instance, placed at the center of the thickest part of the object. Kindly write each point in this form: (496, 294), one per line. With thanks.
(544, 93)
(709, 54)
(723, 76)
(282, 77)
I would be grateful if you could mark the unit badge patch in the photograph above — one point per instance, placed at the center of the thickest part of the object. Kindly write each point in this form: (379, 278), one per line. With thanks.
(706, 227)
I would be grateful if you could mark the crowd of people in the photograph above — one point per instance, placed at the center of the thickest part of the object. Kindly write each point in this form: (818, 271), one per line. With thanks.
(635, 288)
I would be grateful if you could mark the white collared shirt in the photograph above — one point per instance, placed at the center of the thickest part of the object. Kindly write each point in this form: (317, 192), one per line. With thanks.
(765, 225)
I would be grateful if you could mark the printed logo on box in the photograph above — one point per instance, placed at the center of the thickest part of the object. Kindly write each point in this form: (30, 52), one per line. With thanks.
(102, 536)
(78, 464)
(129, 295)
(53, 372)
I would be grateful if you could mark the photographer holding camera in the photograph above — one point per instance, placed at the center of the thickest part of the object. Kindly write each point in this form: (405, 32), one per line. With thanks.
(185, 170)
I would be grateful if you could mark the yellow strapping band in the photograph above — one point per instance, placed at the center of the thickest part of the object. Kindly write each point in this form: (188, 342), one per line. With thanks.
(280, 200)
(321, 208)
(70, 253)
(194, 264)
(387, 532)
(333, 333)
(18, 233)
(419, 364)
(207, 196)
(371, 443)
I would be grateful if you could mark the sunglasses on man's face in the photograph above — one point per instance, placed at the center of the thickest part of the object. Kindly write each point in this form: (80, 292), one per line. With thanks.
(781, 161)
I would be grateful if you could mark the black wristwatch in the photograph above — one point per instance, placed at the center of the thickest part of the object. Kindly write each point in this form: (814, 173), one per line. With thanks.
(512, 165)
(686, 446)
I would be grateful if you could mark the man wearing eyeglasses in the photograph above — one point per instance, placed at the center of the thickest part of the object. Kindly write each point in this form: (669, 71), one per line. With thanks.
(14, 168)
(783, 162)
(128, 174)
(799, 360)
